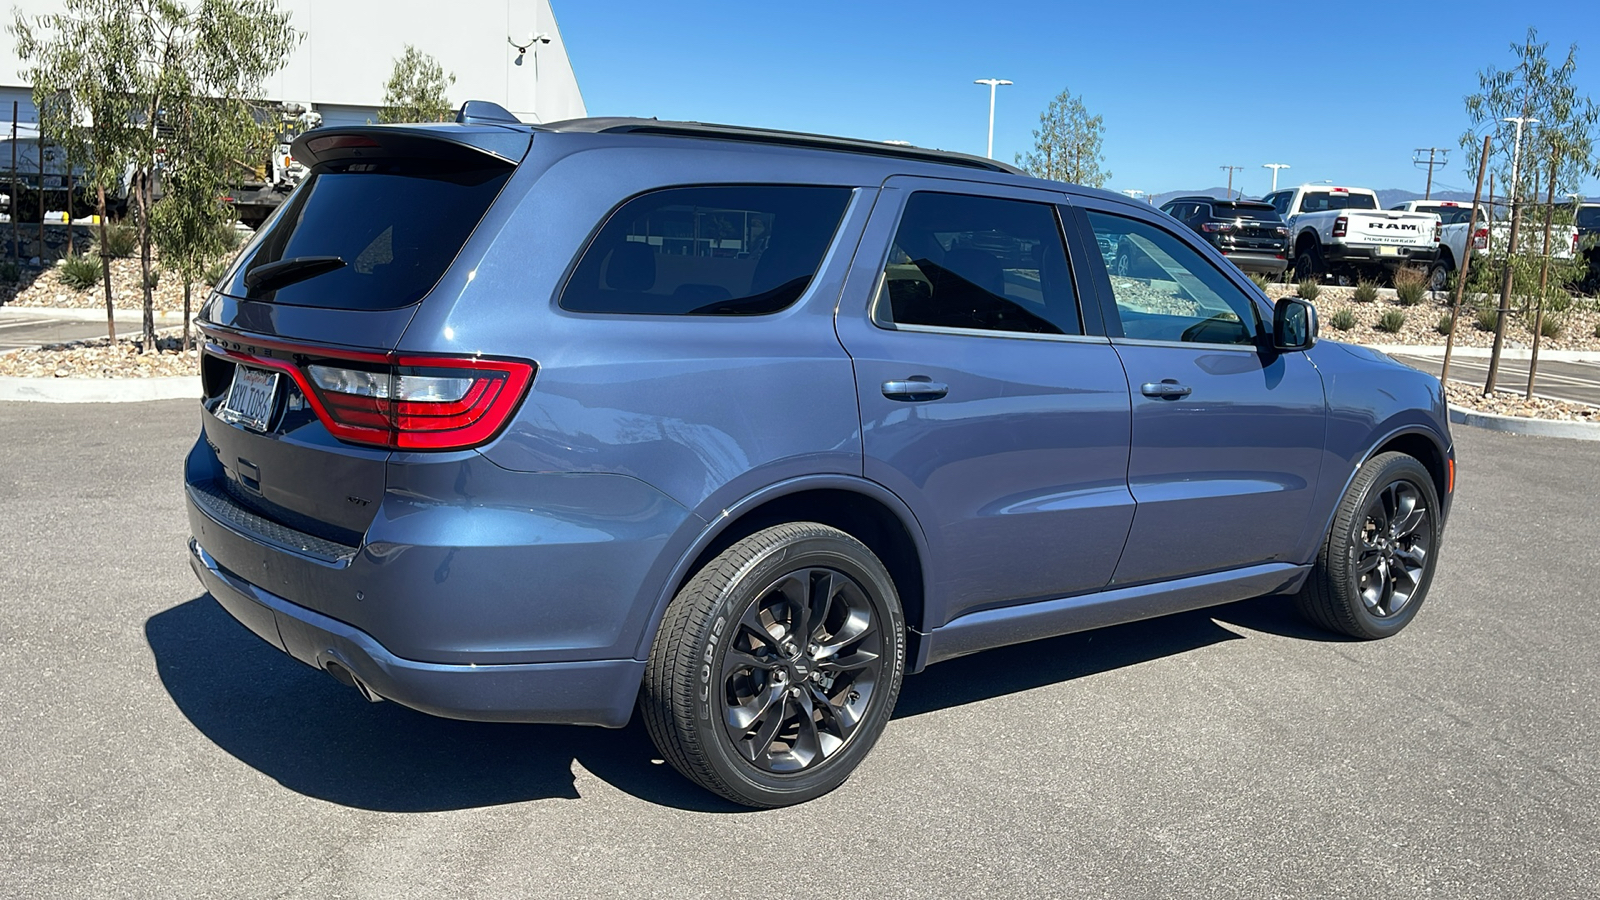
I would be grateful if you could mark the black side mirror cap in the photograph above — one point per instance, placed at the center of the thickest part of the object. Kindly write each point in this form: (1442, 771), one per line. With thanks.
(1294, 324)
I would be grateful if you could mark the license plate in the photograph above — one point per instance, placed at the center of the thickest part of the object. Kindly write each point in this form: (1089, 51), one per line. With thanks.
(1388, 251)
(250, 398)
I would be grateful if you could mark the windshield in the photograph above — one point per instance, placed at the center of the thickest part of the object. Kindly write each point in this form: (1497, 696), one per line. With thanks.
(394, 225)
(1449, 215)
(1589, 218)
(1320, 201)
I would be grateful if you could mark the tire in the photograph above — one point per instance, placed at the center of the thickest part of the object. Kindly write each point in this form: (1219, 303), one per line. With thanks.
(1399, 562)
(739, 706)
(1307, 264)
(1439, 275)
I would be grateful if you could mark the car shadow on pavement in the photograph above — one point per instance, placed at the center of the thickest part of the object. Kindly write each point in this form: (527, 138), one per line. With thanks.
(319, 738)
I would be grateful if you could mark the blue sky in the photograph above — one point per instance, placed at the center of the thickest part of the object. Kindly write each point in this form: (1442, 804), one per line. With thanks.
(1184, 87)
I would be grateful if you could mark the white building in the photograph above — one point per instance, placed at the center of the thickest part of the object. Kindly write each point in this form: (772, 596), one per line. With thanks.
(506, 51)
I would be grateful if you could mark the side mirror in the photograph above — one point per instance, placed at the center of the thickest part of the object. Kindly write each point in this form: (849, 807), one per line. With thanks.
(1294, 324)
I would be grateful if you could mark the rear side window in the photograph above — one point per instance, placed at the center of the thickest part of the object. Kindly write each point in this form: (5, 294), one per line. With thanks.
(727, 250)
(369, 234)
(978, 263)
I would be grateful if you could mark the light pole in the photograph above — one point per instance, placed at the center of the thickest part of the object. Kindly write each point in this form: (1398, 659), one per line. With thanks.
(1274, 167)
(992, 83)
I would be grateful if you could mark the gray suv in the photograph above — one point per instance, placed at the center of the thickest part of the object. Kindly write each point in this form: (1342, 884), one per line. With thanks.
(548, 423)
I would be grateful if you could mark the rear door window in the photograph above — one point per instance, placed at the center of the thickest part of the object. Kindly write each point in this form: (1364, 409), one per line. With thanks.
(978, 263)
(373, 234)
(723, 250)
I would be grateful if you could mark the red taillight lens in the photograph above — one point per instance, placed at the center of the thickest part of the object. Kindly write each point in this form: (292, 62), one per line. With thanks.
(419, 402)
(1213, 227)
(401, 402)
(1340, 226)
(1480, 239)
(1438, 231)
(340, 142)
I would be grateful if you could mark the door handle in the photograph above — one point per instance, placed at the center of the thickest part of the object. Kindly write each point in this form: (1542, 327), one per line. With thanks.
(915, 388)
(1165, 390)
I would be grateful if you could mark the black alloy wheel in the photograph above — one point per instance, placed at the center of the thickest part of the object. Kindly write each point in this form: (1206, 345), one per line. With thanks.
(777, 666)
(1378, 559)
(1305, 265)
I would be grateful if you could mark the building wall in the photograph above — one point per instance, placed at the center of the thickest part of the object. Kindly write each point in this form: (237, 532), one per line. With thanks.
(350, 46)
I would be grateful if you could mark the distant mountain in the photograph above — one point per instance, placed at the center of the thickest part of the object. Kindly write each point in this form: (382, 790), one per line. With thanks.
(1386, 198)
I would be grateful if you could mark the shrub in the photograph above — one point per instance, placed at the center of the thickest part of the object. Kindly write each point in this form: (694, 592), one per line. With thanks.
(81, 272)
(1365, 292)
(215, 271)
(122, 241)
(1344, 320)
(1558, 301)
(1392, 321)
(1261, 280)
(1597, 330)
(1410, 284)
(9, 272)
(1488, 315)
(1308, 289)
(1550, 326)
(1446, 324)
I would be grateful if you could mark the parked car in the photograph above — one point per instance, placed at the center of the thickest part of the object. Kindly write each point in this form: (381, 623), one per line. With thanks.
(1487, 234)
(1341, 231)
(1588, 221)
(739, 427)
(1249, 233)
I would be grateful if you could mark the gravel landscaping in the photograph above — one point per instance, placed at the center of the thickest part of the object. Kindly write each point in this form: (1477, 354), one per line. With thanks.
(99, 359)
(46, 290)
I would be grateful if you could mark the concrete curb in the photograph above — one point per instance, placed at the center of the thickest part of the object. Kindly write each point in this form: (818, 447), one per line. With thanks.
(99, 390)
(1434, 351)
(1581, 431)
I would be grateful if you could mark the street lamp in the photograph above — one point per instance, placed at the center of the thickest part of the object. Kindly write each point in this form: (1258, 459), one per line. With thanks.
(992, 83)
(1516, 154)
(1274, 167)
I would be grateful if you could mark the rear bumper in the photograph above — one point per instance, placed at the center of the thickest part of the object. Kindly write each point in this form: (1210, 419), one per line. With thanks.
(591, 692)
(1255, 261)
(1342, 253)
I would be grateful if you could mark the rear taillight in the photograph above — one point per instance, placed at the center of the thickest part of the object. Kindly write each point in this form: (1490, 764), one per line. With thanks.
(1214, 227)
(1480, 239)
(1340, 226)
(402, 402)
(1282, 231)
(1438, 231)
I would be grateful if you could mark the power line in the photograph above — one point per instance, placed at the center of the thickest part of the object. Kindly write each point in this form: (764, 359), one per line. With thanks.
(1443, 158)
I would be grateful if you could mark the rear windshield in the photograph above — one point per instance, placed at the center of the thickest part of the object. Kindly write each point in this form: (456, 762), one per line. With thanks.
(1258, 212)
(1449, 215)
(395, 226)
(1317, 201)
(1589, 217)
(726, 250)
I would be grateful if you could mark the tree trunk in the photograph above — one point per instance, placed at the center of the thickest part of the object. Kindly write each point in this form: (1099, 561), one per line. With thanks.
(186, 346)
(105, 267)
(143, 181)
(1544, 279)
(1505, 295)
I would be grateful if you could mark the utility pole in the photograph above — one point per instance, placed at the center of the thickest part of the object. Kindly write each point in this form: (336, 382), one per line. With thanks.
(992, 83)
(1443, 158)
(1274, 167)
(1514, 193)
(1231, 170)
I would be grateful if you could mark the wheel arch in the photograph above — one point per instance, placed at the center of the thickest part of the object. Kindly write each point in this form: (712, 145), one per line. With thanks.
(861, 508)
(1414, 440)
(1308, 239)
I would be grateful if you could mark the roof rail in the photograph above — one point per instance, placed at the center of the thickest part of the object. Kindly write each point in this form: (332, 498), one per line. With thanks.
(776, 138)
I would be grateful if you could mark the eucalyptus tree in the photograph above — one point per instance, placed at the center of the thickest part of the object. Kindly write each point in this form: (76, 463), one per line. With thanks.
(417, 90)
(175, 80)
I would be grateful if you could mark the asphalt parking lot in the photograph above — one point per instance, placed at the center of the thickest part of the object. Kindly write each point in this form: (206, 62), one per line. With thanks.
(153, 748)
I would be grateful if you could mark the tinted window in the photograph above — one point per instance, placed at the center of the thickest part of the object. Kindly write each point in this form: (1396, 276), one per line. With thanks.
(739, 250)
(1280, 202)
(981, 263)
(1589, 217)
(395, 225)
(1448, 215)
(1318, 201)
(1255, 212)
(1165, 291)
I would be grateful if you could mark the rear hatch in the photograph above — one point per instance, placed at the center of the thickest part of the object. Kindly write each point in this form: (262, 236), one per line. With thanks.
(305, 397)
(1256, 227)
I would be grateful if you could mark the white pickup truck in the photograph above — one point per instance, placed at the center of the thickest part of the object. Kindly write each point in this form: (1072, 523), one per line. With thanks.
(1341, 231)
(1455, 218)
